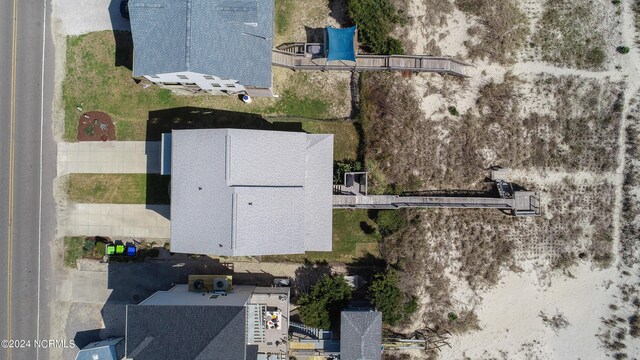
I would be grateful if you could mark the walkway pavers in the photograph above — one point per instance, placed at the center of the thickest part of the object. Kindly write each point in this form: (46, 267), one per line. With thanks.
(115, 220)
(115, 157)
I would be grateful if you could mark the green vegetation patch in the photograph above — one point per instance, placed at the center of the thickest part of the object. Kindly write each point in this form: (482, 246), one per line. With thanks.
(345, 139)
(73, 250)
(353, 234)
(569, 35)
(98, 78)
(283, 13)
(118, 188)
(376, 19)
(321, 307)
(385, 294)
(501, 32)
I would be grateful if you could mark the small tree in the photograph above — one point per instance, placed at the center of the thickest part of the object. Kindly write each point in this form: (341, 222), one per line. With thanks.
(325, 300)
(387, 297)
(389, 221)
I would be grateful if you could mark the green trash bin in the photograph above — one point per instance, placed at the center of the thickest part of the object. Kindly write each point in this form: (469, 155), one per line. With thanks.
(111, 249)
(119, 249)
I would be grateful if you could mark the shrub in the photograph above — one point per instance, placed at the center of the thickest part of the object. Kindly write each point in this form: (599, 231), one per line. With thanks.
(375, 20)
(389, 221)
(622, 49)
(344, 166)
(452, 316)
(387, 297)
(89, 245)
(325, 301)
(453, 111)
(89, 130)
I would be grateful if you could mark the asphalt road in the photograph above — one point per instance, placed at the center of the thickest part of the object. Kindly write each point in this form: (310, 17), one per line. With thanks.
(27, 168)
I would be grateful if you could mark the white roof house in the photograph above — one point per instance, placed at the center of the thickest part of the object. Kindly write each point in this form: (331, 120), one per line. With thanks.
(249, 192)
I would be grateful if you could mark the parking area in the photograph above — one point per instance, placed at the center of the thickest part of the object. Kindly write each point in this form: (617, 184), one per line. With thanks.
(72, 17)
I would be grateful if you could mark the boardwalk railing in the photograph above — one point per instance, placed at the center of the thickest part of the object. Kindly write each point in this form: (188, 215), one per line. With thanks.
(413, 63)
(524, 203)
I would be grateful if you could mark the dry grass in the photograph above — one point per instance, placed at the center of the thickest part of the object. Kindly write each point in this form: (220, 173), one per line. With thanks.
(578, 223)
(412, 152)
(501, 31)
(571, 34)
(563, 125)
(431, 25)
(425, 256)
(629, 246)
(556, 322)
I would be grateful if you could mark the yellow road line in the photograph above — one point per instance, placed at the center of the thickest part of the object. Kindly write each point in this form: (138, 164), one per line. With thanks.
(11, 168)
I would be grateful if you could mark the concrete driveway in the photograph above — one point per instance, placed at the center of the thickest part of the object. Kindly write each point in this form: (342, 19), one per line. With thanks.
(116, 157)
(74, 17)
(115, 220)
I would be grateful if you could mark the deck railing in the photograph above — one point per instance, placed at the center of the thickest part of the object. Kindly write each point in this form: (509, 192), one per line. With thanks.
(413, 63)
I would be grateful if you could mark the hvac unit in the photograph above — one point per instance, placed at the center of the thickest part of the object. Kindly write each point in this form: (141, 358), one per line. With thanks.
(220, 284)
(198, 284)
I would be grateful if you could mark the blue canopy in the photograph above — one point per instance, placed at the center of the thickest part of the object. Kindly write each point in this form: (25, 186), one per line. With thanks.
(340, 44)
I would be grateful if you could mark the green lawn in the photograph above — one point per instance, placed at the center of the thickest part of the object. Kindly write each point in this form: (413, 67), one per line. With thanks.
(283, 13)
(345, 140)
(354, 235)
(73, 250)
(95, 80)
(118, 188)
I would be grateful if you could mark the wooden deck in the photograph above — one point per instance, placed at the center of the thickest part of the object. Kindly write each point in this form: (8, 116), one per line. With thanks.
(414, 63)
(524, 203)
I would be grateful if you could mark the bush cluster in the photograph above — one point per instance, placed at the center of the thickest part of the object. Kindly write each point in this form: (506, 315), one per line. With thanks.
(344, 166)
(389, 221)
(387, 297)
(324, 302)
(375, 20)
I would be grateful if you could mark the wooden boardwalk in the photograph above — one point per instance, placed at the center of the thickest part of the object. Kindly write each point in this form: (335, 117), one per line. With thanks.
(523, 203)
(413, 63)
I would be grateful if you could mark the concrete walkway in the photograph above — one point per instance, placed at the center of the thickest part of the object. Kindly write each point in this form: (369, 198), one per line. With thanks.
(119, 157)
(115, 220)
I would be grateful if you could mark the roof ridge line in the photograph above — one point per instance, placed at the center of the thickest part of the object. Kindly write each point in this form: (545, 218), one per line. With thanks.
(187, 53)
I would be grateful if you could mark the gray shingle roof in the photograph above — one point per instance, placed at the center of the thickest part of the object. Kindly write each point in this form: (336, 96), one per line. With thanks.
(110, 349)
(180, 332)
(360, 335)
(250, 192)
(231, 39)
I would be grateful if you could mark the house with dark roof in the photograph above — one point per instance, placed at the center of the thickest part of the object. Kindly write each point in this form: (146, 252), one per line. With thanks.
(221, 47)
(199, 320)
(360, 334)
(241, 192)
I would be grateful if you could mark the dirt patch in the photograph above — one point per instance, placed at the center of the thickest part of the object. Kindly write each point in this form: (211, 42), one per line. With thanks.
(96, 126)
